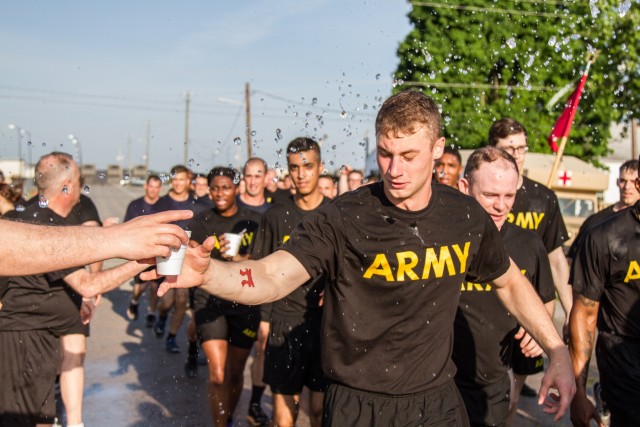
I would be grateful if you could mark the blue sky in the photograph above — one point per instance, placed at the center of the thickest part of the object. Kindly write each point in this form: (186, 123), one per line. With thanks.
(101, 70)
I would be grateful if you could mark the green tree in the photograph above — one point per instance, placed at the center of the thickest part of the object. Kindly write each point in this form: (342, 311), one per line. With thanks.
(507, 58)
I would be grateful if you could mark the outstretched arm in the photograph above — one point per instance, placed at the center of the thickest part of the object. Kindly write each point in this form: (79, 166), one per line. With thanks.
(37, 249)
(246, 282)
(560, 273)
(584, 316)
(520, 298)
(90, 284)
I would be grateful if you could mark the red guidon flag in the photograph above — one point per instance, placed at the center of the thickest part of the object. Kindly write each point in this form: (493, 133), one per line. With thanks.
(562, 127)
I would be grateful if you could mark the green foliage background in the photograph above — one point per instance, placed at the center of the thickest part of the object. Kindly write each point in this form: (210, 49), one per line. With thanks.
(483, 60)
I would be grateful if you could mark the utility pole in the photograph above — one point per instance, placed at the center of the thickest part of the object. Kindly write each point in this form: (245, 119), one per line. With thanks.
(129, 154)
(247, 99)
(146, 148)
(186, 129)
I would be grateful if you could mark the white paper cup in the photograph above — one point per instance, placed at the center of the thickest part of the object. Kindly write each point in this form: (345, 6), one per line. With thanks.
(172, 265)
(234, 243)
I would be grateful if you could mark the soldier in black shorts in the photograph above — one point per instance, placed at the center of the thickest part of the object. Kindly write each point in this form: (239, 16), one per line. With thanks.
(535, 208)
(395, 254)
(227, 330)
(38, 309)
(293, 348)
(606, 283)
(483, 336)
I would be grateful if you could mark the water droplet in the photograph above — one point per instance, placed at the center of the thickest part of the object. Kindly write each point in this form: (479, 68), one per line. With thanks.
(253, 133)
(126, 176)
(314, 101)
(44, 144)
(278, 134)
(191, 162)
(86, 189)
(20, 208)
(237, 140)
(43, 202)
(101, 175)
(378, 76)
(511, 43)
(65, 190)
(343, 114)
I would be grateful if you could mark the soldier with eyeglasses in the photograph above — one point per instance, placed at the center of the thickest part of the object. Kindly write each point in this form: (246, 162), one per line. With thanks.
(536, 208)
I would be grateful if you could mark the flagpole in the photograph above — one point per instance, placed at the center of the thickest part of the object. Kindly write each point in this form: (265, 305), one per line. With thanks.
(591, 57)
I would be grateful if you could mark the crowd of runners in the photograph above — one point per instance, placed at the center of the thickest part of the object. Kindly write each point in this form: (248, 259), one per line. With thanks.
(412, 297)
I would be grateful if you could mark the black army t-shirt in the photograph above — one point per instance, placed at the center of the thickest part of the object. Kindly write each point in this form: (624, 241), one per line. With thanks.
(607, 269)
(138, 207)
(41, 301)
(277, 224)
(210, 223)
(536, 208)
(587, 225)
(484, 328)
(394, 283)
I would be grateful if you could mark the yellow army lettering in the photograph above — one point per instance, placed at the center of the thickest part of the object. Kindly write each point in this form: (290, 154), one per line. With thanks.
(528, 220)
(408, 261)
(478, 287)
(633, 273)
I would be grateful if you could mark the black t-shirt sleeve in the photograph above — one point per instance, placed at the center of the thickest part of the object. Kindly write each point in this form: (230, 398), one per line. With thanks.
(543, 280)
(87, 211)
(318, 241)
(54, 276)
(491, 260)
(589, 269)
(556, 234)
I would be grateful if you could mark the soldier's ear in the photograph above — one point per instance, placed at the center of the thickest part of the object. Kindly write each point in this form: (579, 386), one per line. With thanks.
(463, 185)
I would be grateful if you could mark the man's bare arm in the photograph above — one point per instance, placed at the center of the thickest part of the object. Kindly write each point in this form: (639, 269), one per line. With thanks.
(560, 274)
(247, 282)
(584, 316)
(37, 249)
(90, 284)
(521, 300)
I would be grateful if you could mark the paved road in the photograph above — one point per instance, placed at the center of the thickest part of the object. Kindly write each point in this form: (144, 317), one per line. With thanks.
(132, 381)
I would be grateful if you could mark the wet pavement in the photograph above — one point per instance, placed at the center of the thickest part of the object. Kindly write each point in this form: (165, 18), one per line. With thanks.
(132, 381)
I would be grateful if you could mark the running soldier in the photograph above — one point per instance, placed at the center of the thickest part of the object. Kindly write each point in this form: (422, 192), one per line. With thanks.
(484, 330)
(138, 207)
(227, 330)
(394, 254)
(606, 285)
(535, 208)
(293, 348)
(179, 197)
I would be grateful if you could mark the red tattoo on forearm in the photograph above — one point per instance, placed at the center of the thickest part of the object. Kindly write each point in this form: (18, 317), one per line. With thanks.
(249, 281)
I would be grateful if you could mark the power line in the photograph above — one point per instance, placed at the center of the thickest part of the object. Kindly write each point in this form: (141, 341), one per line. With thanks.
(486, 9)
(479, 86)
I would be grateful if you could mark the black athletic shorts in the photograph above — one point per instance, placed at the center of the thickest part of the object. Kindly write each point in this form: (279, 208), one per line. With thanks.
(292, 358)
(347, 407)
(487, 405)
(523, 365)
(239, 327)
(619, 365)
(28, 367)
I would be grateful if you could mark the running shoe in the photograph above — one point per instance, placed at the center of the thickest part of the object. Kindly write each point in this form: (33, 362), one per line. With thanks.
(132, 311)
(191, 367)
(172, 345)
(151, 320)
(159, 327)
(601, 406)
(257, 416)
(528, 391)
